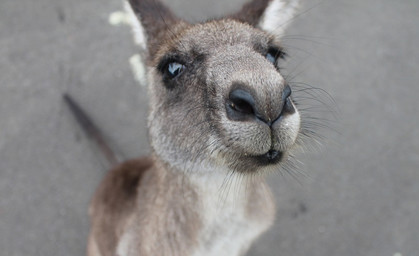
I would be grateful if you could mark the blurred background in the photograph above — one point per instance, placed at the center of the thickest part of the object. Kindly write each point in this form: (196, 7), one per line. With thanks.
(358, 194)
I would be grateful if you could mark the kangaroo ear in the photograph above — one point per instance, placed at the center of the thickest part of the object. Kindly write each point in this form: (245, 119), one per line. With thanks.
(150, 21)
(273, 16)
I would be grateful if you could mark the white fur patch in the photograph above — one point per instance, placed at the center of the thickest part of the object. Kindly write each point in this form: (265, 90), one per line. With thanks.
(277, 16)
(227, 229)
(291, 126)
(123, 245)
(118, 18)
(138, 69)
(129, 18)
(137, 29)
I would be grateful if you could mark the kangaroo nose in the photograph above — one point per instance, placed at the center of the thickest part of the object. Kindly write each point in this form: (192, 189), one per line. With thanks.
(241, 106)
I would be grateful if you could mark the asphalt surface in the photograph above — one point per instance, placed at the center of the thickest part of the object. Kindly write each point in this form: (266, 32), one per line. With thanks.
(356, 195)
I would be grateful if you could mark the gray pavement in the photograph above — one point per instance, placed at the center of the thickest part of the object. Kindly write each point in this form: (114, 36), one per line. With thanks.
(357, 195)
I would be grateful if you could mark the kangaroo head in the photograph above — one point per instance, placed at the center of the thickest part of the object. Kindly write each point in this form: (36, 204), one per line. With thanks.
(218, 99)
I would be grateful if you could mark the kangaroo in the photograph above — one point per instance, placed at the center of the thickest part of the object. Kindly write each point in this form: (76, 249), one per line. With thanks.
(221, 117)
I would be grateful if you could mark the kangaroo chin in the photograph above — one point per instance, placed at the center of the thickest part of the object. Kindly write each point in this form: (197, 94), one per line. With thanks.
(221, 115)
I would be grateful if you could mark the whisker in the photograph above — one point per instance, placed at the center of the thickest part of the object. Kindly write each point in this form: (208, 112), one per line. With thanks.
(299, 15)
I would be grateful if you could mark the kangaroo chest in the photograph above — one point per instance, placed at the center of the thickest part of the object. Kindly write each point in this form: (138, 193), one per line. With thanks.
(232, 218)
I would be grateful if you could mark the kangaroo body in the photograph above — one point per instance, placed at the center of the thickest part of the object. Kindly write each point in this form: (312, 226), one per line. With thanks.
(150, 209)
(220, 117)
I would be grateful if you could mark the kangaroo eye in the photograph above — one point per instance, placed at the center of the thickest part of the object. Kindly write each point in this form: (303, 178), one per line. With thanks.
(274, 54)
(174, 69)
(271, 58)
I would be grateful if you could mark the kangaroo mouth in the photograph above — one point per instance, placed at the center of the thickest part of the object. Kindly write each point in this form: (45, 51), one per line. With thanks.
(253, 163)
(270, 157)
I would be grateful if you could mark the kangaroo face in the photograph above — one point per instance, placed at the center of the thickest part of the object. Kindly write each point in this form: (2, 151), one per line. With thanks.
(217, 91)
(217, 96)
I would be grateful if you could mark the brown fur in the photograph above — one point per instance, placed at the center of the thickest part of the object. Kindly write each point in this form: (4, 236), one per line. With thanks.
(166, 223)
(251, 12)
(157, 20)
(127, 187)
(114, 202)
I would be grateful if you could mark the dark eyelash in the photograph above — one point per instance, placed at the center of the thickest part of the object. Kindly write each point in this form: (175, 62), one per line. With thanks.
(278, 53)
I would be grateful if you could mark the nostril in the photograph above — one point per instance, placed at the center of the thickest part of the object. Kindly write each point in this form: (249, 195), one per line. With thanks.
(242, 107)
(287, 107)
(286, 93)
(242, 101)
